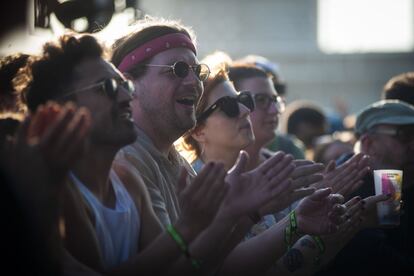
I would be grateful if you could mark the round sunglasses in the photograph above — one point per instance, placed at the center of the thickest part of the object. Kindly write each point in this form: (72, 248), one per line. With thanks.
(229, 105)
(181, 69)
(109, 86)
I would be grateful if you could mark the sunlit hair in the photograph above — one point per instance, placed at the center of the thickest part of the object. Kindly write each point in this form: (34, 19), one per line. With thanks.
(188, 146)
(47, 77)
(10, 100)
(146, 30)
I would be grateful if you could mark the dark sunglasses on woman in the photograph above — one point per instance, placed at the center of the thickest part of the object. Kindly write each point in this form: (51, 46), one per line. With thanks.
(229, 105)
(181, 69)
(109, 86)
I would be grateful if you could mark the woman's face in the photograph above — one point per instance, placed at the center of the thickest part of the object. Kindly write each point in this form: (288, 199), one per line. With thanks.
(265, 117)
(221, 131)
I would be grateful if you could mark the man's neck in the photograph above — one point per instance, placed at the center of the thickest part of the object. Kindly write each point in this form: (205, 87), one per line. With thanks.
(93, 170)
(162, 141)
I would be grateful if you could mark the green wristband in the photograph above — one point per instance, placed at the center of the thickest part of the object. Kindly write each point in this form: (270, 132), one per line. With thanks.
(321, 247)
(180, 242)
(177, 238)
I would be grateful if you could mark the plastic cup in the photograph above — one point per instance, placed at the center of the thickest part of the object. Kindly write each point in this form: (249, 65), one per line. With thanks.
(388, 182)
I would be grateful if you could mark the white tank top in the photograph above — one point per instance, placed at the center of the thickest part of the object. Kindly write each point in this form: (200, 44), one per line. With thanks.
(117, 229)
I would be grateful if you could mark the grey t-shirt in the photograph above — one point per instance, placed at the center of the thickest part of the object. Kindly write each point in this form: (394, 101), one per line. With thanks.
(160, 174)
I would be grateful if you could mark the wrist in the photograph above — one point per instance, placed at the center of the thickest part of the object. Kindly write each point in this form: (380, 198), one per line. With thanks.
(187, 230)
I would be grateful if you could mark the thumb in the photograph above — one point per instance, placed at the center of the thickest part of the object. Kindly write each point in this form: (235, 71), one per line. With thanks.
(320, 194)
(330, 167)
(376, 198)
(241, 163)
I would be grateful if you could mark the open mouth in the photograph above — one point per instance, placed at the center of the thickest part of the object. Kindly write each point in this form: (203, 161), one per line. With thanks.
(126, 114)
(188, 100)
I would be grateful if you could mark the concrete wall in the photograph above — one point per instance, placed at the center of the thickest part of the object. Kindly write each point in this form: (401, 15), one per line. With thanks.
(285, 31)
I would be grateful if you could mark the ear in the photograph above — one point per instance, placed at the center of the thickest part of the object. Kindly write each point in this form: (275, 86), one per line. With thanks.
(199, 134)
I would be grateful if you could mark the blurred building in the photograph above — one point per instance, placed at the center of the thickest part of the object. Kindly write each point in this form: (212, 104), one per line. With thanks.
(286, 31)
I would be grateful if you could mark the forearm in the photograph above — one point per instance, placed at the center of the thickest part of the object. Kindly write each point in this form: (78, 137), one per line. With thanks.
(159, 255)
(207, 249)
(306, 258)
(267, 248)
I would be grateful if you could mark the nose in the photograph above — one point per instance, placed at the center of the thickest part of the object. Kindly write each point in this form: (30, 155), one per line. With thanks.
(192, 81)
(244, 111)
(273, 109)
(123, 94)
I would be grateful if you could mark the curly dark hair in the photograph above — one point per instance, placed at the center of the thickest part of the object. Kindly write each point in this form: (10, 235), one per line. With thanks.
(46, 77)
(9, 97)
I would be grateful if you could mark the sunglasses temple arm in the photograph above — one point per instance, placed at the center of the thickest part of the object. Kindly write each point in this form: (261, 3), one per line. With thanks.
(205, 115)
(83, 89)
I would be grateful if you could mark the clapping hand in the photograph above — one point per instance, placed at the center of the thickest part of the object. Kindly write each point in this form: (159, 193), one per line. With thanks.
(249, 191)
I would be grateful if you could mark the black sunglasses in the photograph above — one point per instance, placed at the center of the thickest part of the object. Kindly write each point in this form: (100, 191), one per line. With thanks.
(229, 105)
(109, 87)
(263, 101)
(181, 69)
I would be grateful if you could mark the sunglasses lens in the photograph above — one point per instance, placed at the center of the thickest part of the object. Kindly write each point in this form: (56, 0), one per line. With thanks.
(129, 86)
(202, 71)
(261, 101)
(110, 87)
(246, 99)
(230, 106)
(181, 69)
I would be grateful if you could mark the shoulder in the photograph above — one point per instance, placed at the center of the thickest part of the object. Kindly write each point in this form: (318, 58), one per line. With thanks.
(130, 178)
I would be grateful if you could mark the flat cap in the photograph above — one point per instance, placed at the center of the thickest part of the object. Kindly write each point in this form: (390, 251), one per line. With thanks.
(393, 112)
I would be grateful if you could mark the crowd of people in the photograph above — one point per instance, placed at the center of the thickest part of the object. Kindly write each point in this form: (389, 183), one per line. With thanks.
(144, 159)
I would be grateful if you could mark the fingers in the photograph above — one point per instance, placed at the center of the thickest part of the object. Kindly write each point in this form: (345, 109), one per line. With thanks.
(282, 169)
(281, 187)
(336, 214)
(281, 177)
(373, 200)
(217, 190)
(330, 167)
(335, 199)
(307, 169)
(320, 194)
(306, 181)
(355, 159)
(302, 162)
(271, 162)
(71, 142)
(194, 186)
(55, 130)
(241, 163)
(210, 181)
(301, 193)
